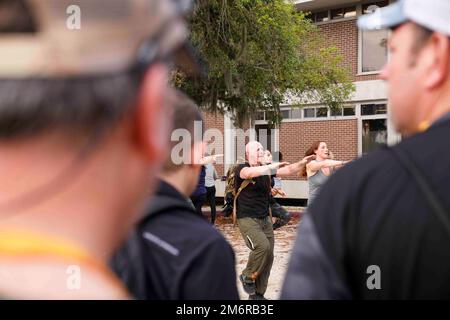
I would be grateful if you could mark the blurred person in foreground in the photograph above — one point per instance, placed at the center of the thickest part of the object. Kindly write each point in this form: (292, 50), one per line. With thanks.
(174, 253)
(380, 225)
(82, 133)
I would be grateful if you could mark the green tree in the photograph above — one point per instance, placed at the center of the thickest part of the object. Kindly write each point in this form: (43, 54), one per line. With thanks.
(256, 52)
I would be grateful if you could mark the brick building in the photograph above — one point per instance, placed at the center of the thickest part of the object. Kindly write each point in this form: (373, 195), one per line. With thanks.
(359, 127)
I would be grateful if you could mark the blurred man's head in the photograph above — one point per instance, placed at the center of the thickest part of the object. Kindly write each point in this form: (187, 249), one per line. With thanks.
(186, 144)
(53, 78)
(418, 70)
(83, 107)
(417, 73)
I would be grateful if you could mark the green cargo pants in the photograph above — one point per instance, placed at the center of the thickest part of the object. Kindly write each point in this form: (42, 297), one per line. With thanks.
(258, 236)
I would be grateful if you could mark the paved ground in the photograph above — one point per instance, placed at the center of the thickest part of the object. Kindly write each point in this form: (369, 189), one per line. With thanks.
(284, 240)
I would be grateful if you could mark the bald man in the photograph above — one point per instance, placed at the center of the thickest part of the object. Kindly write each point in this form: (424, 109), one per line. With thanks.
(253, 215)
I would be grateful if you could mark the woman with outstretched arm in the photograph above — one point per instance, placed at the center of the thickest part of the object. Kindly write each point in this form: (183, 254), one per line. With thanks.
(317, 171)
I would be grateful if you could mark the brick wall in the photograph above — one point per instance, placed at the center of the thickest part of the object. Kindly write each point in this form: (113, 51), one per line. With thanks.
(241, 140)
(296, 137)
(341, 137)
(216, 121)
(344, 35)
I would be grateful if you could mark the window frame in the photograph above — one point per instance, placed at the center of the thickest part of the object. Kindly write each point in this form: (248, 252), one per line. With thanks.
(315, 118)
(360, 53)
(361, 118)
(330, 20)
(358, 6)
(392, 137)
(360, 57)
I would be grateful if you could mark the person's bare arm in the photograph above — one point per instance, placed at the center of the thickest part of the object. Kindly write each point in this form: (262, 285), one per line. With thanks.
(316, 166)
(280, 192)
(253, 172)
(295, 167)
(210, 159)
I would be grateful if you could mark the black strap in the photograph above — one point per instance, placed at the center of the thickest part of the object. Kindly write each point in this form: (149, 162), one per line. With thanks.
(424, 186)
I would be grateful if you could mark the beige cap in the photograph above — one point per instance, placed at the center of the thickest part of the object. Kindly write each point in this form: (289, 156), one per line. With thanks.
(83, 37)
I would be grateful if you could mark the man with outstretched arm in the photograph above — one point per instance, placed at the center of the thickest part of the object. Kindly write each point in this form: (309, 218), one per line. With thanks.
(253, 193)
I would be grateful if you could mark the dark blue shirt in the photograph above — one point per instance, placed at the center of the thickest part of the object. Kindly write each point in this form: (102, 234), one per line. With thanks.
(371, 213)
(201, 189)
(176, 255)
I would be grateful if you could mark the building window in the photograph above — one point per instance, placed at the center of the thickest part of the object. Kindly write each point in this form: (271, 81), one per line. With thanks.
(374, 134)
(373, 46)
(315, 112)
(309, 113)
(372, 6)
(322, 112)
(373, 50)
(259, 115)
(296, 113)
(346, 111)
(270, 115)
(349, 111)
(286, 114)
(373, 109)
(341, 13)
(321, 16)
(346, 12)
(336, 112)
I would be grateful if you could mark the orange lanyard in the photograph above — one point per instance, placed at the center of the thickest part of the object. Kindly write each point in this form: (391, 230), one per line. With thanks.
(20, 244)
(423, 126)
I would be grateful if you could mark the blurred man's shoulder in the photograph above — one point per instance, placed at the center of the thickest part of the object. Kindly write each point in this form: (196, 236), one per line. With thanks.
(46, 278)
(376, 161)
(181, 223)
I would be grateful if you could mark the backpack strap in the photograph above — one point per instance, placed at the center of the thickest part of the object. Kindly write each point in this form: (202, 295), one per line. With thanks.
(424, 186)
(244, 184)
(229, 184)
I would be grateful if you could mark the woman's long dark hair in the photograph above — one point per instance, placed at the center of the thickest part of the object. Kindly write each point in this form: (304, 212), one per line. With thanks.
(310, 152)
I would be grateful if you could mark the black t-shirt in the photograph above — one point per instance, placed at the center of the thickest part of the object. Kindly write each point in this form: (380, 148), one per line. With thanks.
(253, 201)
(371, 213)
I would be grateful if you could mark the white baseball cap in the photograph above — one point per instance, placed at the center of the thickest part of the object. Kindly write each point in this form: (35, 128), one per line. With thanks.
(431, 14)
